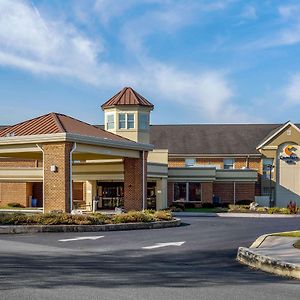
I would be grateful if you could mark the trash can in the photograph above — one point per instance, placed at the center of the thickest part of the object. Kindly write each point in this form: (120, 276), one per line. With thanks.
(33, 202)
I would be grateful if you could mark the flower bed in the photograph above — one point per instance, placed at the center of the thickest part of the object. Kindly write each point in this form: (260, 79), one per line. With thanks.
(87, 219)
(264, 210)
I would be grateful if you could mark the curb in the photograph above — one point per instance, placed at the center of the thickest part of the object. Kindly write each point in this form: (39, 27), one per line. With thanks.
(10, 229)
(267, 264)
(233, 215)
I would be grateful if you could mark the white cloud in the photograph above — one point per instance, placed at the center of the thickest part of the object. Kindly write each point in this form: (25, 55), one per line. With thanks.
(292, 90)
(289, 11)
(249, 12)
(31, 42)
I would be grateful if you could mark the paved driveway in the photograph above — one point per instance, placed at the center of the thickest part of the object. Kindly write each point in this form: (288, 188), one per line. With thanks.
(115, 265)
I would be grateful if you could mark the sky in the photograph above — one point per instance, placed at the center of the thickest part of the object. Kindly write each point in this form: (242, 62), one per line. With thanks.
(197, 61)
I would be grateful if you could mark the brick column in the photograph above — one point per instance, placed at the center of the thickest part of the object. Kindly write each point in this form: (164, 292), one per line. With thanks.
(133, 182)
(57, 184)
(207, 192)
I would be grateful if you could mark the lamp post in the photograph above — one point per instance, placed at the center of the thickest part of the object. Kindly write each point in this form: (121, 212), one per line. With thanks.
(271, 201)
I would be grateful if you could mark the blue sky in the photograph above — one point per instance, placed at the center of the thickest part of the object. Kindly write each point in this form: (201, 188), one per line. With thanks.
(197, 61)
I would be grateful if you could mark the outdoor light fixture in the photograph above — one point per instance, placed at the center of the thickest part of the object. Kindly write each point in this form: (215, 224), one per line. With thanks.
(53, 168)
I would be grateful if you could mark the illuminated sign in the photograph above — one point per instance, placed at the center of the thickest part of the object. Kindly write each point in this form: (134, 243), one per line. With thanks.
(289, 154)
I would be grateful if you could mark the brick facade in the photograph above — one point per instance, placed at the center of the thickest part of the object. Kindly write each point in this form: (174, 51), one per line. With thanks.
(224, 190)
(245, 191)
(57, 184)
(207, 192)
(133, 182)
(15, 192)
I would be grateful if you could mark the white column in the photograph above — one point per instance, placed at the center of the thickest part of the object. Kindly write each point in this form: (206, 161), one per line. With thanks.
(161, 193)
(90, 193)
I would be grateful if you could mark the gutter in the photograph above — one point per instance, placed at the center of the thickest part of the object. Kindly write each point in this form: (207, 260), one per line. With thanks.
(71, 174)
(43, 176)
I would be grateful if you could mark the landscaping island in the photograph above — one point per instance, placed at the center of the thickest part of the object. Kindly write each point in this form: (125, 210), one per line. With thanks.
(62, 222)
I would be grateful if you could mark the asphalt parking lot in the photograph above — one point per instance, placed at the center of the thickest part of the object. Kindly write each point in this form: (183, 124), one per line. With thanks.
(194, 261)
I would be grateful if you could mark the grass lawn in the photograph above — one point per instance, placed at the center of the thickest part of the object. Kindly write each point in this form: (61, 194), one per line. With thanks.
(206, 210)
(291, 234)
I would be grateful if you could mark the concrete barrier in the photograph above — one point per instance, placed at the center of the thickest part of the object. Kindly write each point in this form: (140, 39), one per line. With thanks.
(268, 264)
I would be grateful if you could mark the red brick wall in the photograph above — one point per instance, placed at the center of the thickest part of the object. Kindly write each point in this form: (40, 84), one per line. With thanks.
(57, 184)
(224, 190)
(133, 182)
(78, 191)
(17, 192)
(245, 191)
(207, 192)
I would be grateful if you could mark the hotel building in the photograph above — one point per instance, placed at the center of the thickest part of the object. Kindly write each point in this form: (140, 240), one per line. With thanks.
(65, 163)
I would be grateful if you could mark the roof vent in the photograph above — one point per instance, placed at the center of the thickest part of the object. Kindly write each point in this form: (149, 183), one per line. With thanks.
(10, 134)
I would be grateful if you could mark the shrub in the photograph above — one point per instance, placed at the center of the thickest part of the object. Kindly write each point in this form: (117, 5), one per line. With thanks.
(279, 210)
(238, 208)
(176, 209)
(244, 202)
(189, 205)
(133, 217)
(208, 205)
(163, 215)
(224, 204)
(15, 204)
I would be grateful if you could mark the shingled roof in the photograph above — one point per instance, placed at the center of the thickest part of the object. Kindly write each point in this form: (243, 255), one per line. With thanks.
(57, 123)
(225, 139)
(127, 96)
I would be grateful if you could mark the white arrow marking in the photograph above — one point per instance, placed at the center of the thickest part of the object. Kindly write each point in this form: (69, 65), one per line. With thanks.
(82, 238)
(160, 245)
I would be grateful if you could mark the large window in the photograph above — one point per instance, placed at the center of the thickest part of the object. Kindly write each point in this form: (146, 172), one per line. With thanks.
(126, 121)
(267, 162)
(110, 121)
(229, 163)
(187, 191)
(143, 121)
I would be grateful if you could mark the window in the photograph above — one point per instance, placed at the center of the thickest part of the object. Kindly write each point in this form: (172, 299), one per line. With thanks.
(180, 191)
(267, 162)
(228, 163)
(190, 162)
(130, 121)
(122, 121)
(187, 191)
(126, 121)
(110, 122)
(143, 121)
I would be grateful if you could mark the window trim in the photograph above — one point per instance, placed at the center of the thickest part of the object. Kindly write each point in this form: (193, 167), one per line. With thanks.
(126, 120)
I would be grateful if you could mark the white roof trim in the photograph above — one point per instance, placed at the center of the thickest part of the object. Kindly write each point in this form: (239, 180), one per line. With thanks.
(289, 123)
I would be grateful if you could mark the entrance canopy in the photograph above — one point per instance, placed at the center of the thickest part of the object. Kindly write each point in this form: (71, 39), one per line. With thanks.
(57, 140)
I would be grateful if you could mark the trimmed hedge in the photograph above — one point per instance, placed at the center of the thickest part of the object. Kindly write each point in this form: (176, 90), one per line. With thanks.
(88, 219)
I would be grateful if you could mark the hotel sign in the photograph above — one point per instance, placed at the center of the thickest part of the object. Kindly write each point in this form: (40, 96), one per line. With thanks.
(289, 154)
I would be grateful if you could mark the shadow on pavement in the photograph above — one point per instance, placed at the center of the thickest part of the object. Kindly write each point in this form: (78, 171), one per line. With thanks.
(128, 269)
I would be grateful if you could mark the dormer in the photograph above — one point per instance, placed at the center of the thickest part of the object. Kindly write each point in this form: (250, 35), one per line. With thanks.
(128, 114)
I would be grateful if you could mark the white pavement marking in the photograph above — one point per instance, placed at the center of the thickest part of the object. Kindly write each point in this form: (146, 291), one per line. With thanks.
(82, 238)
(160, 245)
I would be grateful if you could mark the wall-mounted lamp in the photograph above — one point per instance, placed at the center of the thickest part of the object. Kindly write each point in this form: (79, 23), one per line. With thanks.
(53, 168)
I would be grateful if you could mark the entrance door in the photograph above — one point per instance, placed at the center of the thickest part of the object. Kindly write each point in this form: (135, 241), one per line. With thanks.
(151, 195)
(110, 194)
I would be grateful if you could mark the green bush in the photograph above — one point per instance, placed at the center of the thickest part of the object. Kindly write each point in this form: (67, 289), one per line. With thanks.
(279, 210)
(15, 204)
(238, 208)
(91, 219)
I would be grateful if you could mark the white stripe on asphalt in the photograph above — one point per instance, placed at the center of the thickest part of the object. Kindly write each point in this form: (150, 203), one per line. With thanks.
(82, 238)
(160, 245)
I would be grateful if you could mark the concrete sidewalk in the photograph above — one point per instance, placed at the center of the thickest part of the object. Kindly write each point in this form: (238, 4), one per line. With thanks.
(274, 254)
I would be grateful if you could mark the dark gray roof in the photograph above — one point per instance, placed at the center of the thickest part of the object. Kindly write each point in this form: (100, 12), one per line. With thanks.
(210, 139)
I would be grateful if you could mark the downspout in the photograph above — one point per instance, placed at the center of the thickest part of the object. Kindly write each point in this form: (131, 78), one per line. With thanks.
(234, 197)
(71, 183)
(43, 176)
(144, 181)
